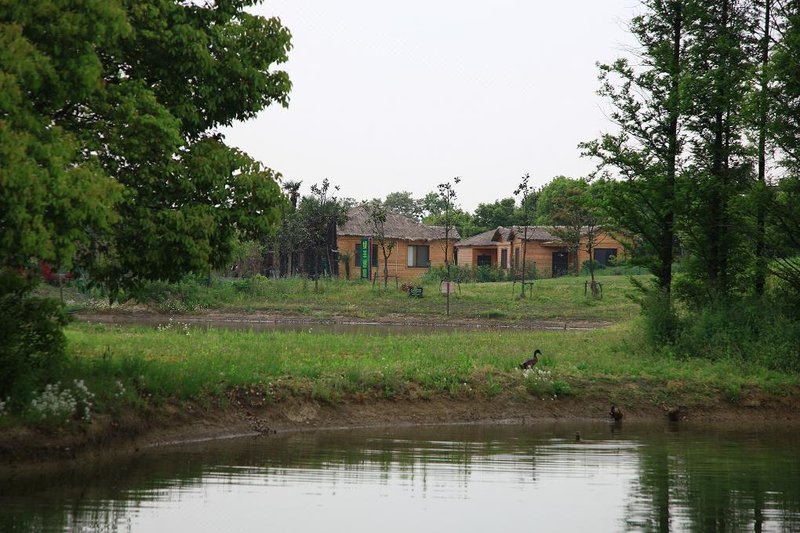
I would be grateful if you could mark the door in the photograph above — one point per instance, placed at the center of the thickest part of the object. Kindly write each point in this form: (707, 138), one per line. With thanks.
(560, 263)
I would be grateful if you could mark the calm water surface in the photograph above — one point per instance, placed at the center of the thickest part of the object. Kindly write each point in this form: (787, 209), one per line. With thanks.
(459, 478)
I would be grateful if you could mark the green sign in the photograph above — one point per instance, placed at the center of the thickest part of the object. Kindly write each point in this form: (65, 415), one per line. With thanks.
(365, 258)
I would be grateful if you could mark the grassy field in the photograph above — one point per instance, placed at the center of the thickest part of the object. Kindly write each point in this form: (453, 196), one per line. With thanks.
(183, 362)
(142, 368)
(552, 299)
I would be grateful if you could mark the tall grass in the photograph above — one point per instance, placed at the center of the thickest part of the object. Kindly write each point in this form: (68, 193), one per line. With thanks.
(178, 363)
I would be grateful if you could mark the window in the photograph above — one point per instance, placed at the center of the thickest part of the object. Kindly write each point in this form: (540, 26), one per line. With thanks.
(357, 255)
(374, 255)
(604, 255)
(418, 256)
(484, 260)
(503, 258)
(516, 258)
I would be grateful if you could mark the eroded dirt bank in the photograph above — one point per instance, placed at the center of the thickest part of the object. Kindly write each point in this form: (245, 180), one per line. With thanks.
(243, 415)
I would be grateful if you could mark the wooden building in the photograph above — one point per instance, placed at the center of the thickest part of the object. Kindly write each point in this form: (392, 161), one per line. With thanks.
(416, 246)
(503, 248)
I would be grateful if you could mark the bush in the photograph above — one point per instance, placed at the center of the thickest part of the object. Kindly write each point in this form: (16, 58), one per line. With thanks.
(661, 322)
(764, 331)
(32, 343)
(189, 294)
(467, 274)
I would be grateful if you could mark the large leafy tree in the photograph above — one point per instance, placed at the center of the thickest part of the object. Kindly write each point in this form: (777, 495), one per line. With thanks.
(403, 203)
(498, 213)
(109, 150)
(110, 112)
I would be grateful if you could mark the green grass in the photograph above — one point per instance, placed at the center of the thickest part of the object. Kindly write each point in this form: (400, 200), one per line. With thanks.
(552, 299)
(171, 364)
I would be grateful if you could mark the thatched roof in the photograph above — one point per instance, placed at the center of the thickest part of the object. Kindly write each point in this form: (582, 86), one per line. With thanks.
(537, 233)
(502, 234)
(487, 238)
(396, 227)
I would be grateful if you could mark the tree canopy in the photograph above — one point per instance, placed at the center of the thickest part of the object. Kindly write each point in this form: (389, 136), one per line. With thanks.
(108, 143)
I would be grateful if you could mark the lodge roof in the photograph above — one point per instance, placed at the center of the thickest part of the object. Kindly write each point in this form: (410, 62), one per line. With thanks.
(397, 226)
(502, 234)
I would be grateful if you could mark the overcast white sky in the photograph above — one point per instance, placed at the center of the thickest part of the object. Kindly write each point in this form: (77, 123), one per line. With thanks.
(392, 96)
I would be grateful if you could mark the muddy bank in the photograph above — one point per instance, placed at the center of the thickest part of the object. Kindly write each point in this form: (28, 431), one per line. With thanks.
(259, 320)
(242, 415)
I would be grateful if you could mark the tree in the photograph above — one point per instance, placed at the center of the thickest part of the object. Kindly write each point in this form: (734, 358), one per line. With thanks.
(498, 213)
(784, 208)
(318, 216)
(761, 191)
(404, 204)
(185, 70)
(54, 193)
(718, 77)
(376, 217)
(447, 195)
(548, 197)
(459, 219)
(431, 205)
(119, 104)
(571, 215)
(524, 191)
(109, 156)
(644, 154)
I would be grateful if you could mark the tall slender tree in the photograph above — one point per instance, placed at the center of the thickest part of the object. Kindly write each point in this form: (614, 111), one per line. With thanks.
(525, 193)
(647, 100)
(447, 196)
(763, 102)
(719, 75)
(377, 214)
(784, 213)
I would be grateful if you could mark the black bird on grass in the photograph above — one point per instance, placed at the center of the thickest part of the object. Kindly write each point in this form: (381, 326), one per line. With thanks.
(615, 412)
(528, 364)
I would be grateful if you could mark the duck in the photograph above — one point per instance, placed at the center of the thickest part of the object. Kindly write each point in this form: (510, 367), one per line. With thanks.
(529, 363)
(676, 414)
(615, 412)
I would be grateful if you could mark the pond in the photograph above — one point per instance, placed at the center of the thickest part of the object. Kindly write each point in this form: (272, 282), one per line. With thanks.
(628, 477)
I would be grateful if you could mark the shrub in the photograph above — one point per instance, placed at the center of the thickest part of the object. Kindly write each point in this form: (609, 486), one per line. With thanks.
(467, 274)
(761, 330)
(32, 343)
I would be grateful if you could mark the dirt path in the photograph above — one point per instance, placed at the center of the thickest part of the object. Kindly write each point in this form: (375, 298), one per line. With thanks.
(388, 323)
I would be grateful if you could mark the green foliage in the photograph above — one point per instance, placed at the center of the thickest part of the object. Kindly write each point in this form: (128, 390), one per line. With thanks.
(31, 341)
(467, 274)
(748, 331)
(403, 203)
(660, 322)
(108, 112)
(498, 213)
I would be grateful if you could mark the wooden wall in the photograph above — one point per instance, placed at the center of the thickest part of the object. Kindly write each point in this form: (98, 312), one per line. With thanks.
(398, 260)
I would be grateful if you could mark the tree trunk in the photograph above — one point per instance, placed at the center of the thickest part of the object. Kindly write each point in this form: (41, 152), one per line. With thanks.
(668, 222)
(761, 261)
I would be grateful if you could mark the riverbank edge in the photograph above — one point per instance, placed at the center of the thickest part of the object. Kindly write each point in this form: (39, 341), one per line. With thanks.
(175, 423)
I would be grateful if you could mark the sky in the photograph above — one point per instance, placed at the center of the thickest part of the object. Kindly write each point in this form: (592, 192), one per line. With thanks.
(393, 96)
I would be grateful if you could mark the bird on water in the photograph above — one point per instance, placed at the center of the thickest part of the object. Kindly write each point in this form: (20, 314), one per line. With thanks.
(615, 412)
(528, 364)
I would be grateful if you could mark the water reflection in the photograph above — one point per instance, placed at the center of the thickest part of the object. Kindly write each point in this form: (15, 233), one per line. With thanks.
(502, 478)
